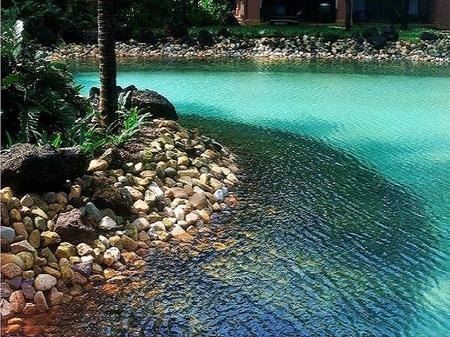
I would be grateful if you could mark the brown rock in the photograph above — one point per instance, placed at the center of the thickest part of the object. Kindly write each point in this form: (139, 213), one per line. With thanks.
(55, 297)
(35, 238)
(11, 270)
(29, 309)
(11, 258)
(40, 302)
(72, 226)
(17, 301)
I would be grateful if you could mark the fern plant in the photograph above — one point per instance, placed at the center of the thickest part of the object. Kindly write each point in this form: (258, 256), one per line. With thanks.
(37, 95)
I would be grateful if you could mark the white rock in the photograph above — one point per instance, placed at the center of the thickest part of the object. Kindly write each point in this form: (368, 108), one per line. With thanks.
(107, 224)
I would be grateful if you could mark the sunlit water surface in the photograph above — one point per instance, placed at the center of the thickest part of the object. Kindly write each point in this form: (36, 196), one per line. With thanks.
(345, 217)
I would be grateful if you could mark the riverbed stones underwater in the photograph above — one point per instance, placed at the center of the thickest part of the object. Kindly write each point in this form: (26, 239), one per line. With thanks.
(44, 266)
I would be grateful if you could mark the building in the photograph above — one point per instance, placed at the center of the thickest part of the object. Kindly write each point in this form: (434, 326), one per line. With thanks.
(432, 12)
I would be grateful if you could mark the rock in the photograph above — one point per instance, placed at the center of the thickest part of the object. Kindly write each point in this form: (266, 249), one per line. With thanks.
(5, 290)
(219, 195)
(22, 246)
(32, 168)
(65, 249)
(141, 224)
(148, 101)
(113, 198)
(192, 218)
(40, 223)
(44, 282)
(198, 200)
(116, 241)
(429, 36)
(55, 297)
(52, 271)
(92, 211)
(6, 309)
(135, 194)
(204, 38)
(17, 301)
(72, 226)
(6, 194)
(28, 259)
(97, 165)
(66, 270)
(129, 244)
(35, 238)
(27, 200)
(157, 191)
(389, 33)
(84, 249)
(84, 268)
(75, 192)
(141, 206)
(10, 270)
(11, 258)
(50, 238)
(28, 290)
(180, 234)
(111, 255)
(107, 224)
(184, 161)
(7, 233)
(15, 282)
(40, 302)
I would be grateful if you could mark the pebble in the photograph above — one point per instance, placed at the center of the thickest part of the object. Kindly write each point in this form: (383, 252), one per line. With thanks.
(107, 224)
(7, 233)
(40, 302)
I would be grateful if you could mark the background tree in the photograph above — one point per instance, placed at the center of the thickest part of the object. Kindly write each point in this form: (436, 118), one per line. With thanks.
(107, 64)
(404, 16)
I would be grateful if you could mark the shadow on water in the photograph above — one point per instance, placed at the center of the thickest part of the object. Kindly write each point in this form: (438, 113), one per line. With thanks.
(324, 246)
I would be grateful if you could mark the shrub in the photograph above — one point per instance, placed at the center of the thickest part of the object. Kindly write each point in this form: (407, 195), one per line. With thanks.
(38, 96)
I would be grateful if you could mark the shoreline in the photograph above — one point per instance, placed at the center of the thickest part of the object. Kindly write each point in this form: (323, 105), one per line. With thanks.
(162, 191)
(289, 48)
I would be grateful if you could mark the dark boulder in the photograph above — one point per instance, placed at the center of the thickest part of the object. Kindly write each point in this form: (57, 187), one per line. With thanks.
(370, 33)
(33, 168)
(223, 32)
(74, 227)
(378, 42)
(428, 36)
(389, 33)
(330, 37)
(150, 101)
(111, 197)
(175, 30)
(204, 38)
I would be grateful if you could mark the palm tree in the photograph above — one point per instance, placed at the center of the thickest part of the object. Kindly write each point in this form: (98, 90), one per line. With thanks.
(348, 14)
(107, 64)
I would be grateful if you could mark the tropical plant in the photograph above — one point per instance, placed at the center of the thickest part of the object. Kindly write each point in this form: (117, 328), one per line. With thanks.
(38, 96)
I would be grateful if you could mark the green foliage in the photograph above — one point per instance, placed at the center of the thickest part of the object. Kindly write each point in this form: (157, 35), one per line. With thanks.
(215, 9)
(38, 96)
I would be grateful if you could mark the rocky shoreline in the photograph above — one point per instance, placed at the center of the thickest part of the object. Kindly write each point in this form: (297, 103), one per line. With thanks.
(157, 192)
(290, 48)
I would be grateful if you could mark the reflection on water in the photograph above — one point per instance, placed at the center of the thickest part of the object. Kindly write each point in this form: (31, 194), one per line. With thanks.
(324, 247)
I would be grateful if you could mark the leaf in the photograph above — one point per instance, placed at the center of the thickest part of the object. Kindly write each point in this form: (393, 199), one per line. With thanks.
(13, 79)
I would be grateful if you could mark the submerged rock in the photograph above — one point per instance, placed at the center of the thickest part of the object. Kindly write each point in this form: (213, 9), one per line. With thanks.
(72, 226)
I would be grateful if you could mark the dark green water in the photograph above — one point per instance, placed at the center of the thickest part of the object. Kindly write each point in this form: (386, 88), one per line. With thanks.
(344, 222)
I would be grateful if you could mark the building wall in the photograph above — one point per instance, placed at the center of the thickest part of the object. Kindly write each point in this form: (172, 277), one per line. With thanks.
(440, 14)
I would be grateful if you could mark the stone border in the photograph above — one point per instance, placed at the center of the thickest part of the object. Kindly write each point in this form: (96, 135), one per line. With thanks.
(285, 48)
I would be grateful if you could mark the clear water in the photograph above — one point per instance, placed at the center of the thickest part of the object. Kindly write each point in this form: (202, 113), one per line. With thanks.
(345, 217)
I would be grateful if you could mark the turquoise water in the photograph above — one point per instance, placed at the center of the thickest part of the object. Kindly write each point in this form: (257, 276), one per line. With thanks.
(346, 191)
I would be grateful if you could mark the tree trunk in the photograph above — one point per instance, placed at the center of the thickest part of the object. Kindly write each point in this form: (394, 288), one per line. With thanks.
(106, 46)
(348, 14)
(404, 14)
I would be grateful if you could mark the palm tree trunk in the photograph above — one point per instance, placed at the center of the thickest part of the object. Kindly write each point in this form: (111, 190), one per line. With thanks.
(348, 14)
(404, 14)
(106, 45)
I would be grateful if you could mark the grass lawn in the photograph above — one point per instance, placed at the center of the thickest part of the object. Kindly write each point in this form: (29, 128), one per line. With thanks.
(413, 33)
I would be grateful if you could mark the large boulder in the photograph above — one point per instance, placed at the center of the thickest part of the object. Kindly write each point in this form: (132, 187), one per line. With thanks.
(389, 33)
(152, 102)
(428, 36)
(205, 38)
(33, 168)
(73, 226)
